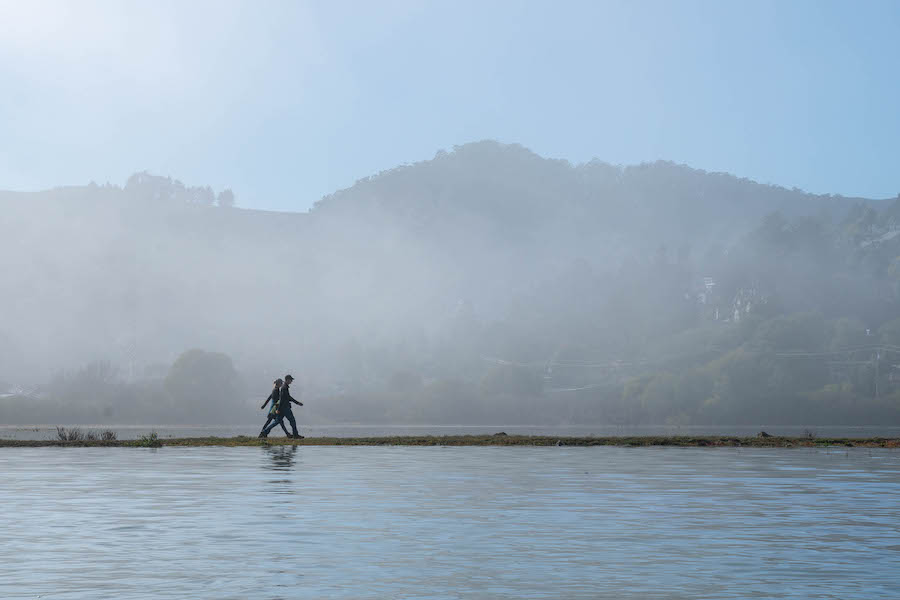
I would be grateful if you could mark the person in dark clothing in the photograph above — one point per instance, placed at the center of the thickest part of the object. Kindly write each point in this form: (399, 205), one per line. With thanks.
(274, 398)
(284, 410)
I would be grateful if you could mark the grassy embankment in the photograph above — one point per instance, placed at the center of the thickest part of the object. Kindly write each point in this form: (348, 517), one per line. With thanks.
(500, 439)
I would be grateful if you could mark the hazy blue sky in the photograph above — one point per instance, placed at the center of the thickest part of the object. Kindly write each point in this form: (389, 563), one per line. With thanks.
(286, 102)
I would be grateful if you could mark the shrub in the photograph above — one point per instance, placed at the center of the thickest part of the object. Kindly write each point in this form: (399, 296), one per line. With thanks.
(69, 435)
(74, 434)
(150, 441)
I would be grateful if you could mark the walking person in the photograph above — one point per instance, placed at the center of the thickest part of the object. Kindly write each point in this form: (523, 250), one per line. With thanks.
(284, 410)
(274, 398)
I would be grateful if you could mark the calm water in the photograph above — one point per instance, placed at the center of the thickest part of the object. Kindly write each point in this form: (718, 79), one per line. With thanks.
(127, 432)
(523, 522)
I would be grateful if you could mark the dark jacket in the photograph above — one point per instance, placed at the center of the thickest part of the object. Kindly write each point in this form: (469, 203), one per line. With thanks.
(285, 404)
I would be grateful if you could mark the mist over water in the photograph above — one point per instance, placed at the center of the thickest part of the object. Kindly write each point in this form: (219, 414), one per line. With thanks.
(486, 285)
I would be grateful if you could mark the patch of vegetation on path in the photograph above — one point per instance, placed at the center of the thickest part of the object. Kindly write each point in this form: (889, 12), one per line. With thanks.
(478, 440)
(74, 434)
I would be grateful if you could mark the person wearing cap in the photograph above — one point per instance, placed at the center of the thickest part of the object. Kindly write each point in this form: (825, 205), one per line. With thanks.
(275, 398)
(284, 410)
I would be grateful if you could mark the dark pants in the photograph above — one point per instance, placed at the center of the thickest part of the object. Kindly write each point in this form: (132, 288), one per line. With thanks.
(274, 417)
(279, 420)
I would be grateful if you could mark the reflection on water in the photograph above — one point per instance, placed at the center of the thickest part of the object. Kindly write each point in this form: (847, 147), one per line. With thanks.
(281, 460)
(374, 522)
(282, 457)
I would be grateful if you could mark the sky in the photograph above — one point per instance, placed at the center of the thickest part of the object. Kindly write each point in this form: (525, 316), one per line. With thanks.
(285, 102)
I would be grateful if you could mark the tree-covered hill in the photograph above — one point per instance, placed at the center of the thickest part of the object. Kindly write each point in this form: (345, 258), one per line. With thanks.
(488, 284)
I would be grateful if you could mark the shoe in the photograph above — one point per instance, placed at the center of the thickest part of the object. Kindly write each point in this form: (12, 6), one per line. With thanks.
(297, 437)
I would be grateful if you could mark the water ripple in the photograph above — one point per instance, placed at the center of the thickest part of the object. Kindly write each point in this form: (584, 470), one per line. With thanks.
(375, 522)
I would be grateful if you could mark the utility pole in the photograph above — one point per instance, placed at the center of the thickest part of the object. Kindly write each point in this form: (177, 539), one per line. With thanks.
(877, 360)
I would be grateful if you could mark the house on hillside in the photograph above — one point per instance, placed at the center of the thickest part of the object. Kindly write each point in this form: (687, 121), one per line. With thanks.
(705, 290)
(715, 307)
(745, 300)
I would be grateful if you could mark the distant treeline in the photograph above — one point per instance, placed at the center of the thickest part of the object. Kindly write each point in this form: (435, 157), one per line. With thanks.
(199, 388)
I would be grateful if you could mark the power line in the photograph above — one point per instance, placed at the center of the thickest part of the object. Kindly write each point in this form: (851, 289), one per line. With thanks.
(886, 349)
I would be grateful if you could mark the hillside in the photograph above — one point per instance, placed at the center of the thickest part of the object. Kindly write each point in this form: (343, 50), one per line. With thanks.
(480, 285)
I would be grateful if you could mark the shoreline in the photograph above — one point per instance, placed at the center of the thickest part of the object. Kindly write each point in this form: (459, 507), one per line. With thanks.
(498, 439)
